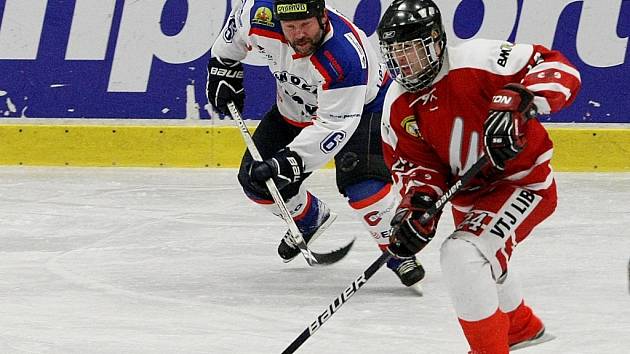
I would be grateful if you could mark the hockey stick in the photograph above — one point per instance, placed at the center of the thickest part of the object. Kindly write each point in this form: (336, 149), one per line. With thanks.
(312, 258)
(382, 259)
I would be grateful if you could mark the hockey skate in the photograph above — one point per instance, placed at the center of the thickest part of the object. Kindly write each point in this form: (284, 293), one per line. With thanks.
(526, 329)
(540, 337)
(409, 271)
(311, 227)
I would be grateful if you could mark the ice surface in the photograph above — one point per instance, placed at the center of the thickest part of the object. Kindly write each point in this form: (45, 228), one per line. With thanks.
(118, 260)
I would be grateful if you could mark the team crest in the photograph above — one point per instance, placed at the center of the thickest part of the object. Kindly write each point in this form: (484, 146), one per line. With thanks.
(411, 126)
(263, 17)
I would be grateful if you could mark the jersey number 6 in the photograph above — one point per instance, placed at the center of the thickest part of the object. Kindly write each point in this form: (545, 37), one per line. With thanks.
(332, 141)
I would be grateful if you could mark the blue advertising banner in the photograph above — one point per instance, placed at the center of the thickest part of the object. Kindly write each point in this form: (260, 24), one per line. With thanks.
(146, 58)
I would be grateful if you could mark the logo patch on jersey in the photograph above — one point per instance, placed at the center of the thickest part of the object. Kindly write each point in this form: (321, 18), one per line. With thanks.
(264, 17)
(506, 49)
(411, 126)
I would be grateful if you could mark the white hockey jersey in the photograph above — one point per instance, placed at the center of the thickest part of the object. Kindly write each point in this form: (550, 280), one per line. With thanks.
(325, 92)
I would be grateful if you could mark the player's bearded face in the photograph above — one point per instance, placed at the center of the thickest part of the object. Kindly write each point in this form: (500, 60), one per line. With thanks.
(303, 35)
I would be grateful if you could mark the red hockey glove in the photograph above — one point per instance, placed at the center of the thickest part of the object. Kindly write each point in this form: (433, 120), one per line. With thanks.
(511, 107)
(408, 236)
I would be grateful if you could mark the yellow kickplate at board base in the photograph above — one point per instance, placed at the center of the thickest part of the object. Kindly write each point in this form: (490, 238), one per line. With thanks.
(575, 149)
(591, 150)
(44, 145)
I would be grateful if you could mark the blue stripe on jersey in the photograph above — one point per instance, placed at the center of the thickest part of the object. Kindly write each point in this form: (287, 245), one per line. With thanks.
(261, 17)
(339, 58)
(377, 103)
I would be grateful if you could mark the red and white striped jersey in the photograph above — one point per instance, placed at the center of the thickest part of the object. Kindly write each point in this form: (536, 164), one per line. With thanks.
(433, 136)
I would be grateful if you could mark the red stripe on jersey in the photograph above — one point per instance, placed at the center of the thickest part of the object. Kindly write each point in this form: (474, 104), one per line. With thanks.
(509, 247)
(364, 203)
(268, 34)
(386, 78)
(262, 201)
(318, 65)
(335, 64)
(557, 100)
(298, 56)
(542, 211)
(296, 123)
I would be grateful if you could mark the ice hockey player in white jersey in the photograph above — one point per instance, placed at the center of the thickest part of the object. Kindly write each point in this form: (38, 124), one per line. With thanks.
(330, 87)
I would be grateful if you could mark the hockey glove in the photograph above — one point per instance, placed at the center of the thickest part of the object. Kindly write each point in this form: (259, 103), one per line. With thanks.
(511, 107)
(408, 236)
(225, 84)
(284, 167)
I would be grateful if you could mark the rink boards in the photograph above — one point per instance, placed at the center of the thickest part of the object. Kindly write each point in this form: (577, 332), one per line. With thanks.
(602, 149)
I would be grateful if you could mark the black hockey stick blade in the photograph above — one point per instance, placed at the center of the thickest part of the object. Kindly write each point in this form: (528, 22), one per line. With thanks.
(337, 303)
(332, 257)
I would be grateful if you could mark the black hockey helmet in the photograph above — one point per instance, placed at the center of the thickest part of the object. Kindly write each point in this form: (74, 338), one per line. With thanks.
(413, 42)
(287, 10)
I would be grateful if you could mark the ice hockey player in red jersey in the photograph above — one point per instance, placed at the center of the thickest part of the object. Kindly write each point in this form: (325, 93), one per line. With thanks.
(330, 86)
(450, 105)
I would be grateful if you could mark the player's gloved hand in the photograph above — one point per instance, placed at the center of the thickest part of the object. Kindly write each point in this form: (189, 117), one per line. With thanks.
(408, 236)
(284, 167)
(511, 107)
(225, 84)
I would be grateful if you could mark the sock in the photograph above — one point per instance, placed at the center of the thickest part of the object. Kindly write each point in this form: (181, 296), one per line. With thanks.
(489, 335)
(375, 203)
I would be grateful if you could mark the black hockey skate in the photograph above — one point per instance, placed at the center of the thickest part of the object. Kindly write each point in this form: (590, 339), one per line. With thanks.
(409, 271)
(287, 250)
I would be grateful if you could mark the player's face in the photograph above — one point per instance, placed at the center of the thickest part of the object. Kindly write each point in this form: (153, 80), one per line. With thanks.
(303, 35)
(412, 57)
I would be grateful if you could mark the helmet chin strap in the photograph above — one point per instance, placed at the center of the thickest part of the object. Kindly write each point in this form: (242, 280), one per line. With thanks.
(322, 25)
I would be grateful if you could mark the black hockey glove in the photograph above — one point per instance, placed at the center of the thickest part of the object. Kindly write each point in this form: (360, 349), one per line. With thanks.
(408, 236)
(284, 167)
(225, 84)
(511, 107)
